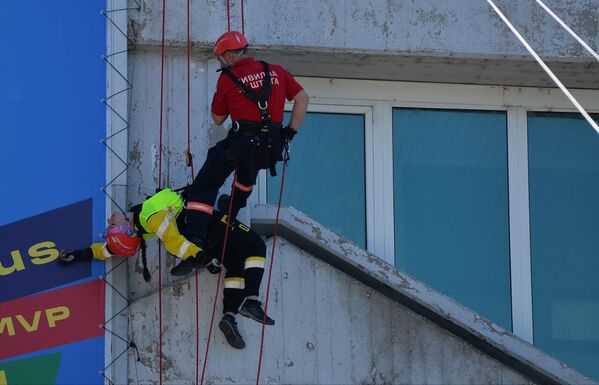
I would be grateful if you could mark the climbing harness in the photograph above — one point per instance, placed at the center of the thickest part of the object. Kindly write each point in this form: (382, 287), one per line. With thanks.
(261, 99)
(266, 128)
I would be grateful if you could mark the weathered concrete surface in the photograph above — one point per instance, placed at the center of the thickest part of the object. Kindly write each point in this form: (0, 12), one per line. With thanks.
(460, 41)
(331, 329)
(144, 137)
(343, 317)
(338, 330)
(498, 70)
(439, 26)
(438, 308)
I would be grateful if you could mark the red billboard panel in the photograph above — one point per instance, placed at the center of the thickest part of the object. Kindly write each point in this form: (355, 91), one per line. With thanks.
(51, 319)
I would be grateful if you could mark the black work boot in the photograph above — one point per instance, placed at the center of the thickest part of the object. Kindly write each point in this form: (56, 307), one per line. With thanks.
(229, 328)
(252, 308)
(200, 260)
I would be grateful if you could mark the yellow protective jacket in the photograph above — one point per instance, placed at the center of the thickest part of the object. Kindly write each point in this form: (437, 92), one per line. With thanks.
(158, 218)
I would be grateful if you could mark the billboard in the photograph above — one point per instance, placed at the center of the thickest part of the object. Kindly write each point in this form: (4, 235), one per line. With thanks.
(52, 170)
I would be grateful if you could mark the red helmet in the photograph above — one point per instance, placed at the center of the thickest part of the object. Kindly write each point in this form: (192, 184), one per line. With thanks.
(229, 40)
(122, 240)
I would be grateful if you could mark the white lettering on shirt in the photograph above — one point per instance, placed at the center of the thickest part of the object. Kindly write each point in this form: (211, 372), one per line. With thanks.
(258, 76)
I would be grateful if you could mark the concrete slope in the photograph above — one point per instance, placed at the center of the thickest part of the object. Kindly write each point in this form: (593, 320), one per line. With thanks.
(418, 297)
(343, 317)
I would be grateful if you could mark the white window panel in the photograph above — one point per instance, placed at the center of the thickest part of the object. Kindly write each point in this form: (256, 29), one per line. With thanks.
(519, 224)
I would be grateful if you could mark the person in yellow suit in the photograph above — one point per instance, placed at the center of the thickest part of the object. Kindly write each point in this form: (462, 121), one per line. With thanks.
(161, 216)
(157, 216)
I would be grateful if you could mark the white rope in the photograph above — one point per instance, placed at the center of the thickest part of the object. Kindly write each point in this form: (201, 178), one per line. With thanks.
(544, 66)
(585, 45)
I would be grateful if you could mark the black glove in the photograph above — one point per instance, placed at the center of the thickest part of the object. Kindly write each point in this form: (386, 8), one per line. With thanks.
(213, 267)
(77, 255)
(288, 133)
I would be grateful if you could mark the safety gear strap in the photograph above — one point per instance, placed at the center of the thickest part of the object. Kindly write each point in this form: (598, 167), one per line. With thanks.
(261, 100)
(246, 128)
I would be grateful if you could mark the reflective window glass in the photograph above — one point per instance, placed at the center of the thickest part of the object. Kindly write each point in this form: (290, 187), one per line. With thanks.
(451, 205)
(326, 175)
(564, 229)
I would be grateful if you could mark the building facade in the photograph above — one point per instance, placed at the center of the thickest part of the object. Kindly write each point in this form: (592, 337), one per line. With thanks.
(433, 140)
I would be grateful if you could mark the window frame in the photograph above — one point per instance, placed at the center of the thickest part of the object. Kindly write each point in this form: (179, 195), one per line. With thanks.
(378, 98)
(369, 167)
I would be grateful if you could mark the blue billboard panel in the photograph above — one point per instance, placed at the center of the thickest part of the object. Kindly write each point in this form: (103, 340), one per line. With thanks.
(76, 363)
(52, 78)
(29, 250)
(53, 168)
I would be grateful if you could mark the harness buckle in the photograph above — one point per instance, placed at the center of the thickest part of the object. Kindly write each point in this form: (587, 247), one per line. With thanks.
(265, 105)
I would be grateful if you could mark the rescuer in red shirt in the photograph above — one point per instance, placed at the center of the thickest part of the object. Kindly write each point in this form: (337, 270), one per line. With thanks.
(253, 93)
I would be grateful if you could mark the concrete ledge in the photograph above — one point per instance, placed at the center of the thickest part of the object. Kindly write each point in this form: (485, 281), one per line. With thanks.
(502, 345)
(435, 67)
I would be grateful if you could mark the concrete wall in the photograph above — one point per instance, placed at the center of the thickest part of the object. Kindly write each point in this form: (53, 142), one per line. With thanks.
(461, 41)
(458, 27)
(343, 316)
(144, 135)
(330, 329)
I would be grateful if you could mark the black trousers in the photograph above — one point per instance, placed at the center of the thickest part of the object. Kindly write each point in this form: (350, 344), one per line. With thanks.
(244, 259)
(246, 154)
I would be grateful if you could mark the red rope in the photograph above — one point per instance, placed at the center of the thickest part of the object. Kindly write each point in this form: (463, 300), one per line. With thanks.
(189, 88)
(192, 174)
(197, 327)
(160, 306)
(242, 19)
(161, 94)
(228, 15)
(222, 258)
(272, 260)
(159, 186)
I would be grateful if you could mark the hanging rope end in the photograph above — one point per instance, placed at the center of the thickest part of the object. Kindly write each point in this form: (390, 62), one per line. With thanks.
(146, 274)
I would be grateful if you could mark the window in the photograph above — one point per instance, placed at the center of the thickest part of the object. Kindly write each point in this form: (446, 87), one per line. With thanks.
(451, 205)
(564, 228)
(466, 189)
(326, 177)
